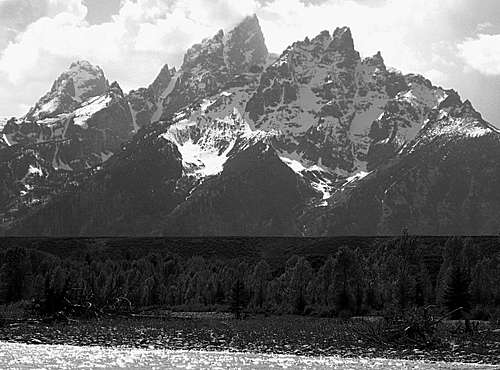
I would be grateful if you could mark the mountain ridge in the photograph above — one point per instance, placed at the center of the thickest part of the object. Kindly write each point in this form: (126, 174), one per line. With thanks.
(319, 121)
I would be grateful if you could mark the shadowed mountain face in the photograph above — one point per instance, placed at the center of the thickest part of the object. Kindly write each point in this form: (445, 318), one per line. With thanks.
(317, 141)
(256, 194)
(124, 197)
(443, 183)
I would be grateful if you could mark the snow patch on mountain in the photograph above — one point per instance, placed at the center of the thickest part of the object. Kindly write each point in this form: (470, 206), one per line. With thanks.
(80, 82)
(460, 127)
(321, 179)
(419, 94)
(89, 108)
(3, 122)
(358, 176)
(32, 170)
(200, 157)
(206, 132)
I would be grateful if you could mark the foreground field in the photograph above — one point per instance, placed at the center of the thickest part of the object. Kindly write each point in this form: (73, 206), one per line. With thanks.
(24, 356)
(285, 335)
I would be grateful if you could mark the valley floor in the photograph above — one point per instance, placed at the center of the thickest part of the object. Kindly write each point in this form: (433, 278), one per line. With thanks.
(280, 335)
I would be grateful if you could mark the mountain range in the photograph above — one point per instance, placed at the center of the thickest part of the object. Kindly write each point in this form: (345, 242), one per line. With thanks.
(317, 141)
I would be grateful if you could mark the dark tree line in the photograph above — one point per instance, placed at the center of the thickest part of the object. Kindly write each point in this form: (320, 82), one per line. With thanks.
(392, 277)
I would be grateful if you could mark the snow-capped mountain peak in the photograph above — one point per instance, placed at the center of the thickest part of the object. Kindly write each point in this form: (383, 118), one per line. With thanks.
(80, 82)
(453, 120)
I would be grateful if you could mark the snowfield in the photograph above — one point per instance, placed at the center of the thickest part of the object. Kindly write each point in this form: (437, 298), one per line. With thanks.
(28, 356)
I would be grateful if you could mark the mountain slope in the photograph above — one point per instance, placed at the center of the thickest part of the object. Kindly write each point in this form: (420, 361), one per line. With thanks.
(76, 126)
(124, 197)
(442, 183)
(255, 194)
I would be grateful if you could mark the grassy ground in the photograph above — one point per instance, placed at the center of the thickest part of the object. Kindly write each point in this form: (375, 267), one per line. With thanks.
(281, 334)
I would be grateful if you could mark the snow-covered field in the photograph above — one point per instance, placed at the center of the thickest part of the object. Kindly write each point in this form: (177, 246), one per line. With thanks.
(27, 356)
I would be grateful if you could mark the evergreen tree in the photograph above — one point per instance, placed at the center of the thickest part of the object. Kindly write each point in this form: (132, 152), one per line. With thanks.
(456, 294)
(239, 298)
(260, 279)
(347, 276)
(15, 276)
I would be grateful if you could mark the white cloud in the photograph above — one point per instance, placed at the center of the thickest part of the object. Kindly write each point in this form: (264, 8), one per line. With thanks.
(482, 53)
(404, 30)
(131, 48)
(413, 36)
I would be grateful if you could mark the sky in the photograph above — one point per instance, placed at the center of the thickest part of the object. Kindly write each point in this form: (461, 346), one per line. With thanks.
(455, 43)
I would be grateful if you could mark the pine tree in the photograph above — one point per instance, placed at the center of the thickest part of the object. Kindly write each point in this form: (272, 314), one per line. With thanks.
(15, 276)
(239, 298)
(260, 278)
(456, 294)
(347, 280)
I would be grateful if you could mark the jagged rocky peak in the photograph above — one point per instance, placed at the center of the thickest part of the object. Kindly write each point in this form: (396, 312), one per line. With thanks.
(342, 39)
(209, 50)
(80, 82)
(376, 61)
(115, 88)
(452, 100)
(238, 50)
(89, 80)
(453, 120)
(245, 46)
(209, 66)
(162, 80)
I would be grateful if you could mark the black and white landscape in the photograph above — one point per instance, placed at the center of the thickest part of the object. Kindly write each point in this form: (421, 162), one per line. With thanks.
(315, 142)
(306, 202)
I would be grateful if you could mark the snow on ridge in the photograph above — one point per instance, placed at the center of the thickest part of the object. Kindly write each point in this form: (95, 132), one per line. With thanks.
(461, 127)
(356, 177)
(453, 127)
(423, 95)
(318, 176)
(89, 108)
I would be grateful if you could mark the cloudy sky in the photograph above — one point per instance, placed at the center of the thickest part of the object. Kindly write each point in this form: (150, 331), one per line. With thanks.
(455, 43)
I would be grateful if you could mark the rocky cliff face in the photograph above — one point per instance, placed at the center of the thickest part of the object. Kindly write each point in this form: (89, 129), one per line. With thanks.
(316, 141)
(81, 82)
(209, 66)
(336, 110)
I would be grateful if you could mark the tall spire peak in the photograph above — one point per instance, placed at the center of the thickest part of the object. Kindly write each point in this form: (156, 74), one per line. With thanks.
(245, 45)
(342, 39)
